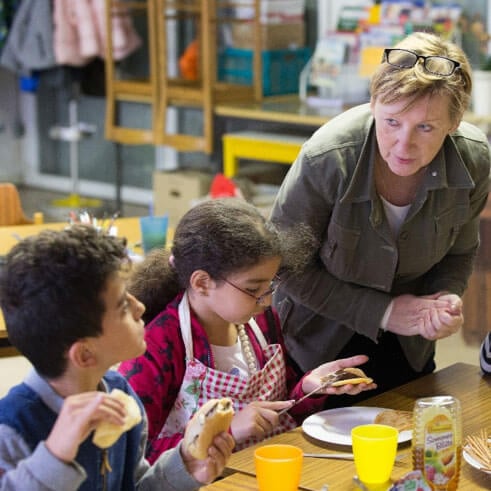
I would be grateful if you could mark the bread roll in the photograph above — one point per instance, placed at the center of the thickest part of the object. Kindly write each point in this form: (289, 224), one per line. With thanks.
(211, 419)
(106, 434)
(402, 420)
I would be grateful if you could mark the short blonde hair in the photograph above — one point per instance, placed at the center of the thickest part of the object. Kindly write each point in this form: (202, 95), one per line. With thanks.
(390, 84)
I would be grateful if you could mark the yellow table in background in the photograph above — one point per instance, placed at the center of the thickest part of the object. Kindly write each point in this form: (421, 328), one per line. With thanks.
(9, 236)
(255, 145)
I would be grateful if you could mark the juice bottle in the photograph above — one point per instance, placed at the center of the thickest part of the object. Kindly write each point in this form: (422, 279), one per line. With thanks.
(437, 441)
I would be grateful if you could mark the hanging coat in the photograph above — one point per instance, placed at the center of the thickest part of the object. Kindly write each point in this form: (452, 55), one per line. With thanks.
(29, 43)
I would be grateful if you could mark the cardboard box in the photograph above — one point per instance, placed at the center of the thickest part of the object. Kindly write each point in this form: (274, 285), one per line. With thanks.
(175, 192)
(273, 36)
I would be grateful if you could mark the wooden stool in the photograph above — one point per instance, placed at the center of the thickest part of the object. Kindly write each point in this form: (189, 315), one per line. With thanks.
(271, 147)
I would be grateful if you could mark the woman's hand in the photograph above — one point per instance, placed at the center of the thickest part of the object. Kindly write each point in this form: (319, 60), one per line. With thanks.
(257, 419)
(207, 470)
(314, 379)
(432, 317)
(447, 321)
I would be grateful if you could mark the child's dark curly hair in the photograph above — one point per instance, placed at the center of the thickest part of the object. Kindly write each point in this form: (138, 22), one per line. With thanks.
(51, 291)
(219, 236)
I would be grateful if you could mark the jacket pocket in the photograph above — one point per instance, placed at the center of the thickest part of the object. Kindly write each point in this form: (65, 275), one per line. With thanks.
(447, 228)
(293, 317)
(338, 250)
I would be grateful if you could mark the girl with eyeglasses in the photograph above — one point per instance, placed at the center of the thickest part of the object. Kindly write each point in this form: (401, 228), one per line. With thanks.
(210, 331)
(392, 190)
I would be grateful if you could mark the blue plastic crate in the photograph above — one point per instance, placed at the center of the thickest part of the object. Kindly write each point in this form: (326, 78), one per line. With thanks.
(281, 68)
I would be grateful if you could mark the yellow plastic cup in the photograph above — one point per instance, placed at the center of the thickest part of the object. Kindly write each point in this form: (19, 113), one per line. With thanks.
(374, 450)
(278, 467)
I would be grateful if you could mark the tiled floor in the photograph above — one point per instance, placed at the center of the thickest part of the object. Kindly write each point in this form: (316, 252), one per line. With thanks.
(12, 369)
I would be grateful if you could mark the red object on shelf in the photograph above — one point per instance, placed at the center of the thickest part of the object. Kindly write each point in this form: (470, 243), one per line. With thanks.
(223, 187)
(188, 62)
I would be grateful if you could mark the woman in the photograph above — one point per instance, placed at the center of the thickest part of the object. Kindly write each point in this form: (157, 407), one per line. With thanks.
(393, 190)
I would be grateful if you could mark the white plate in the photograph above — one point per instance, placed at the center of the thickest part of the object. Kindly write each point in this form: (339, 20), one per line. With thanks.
(334, 425)
(473, 462)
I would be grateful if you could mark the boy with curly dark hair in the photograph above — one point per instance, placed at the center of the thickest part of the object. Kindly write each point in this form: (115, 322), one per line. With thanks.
(67, 309)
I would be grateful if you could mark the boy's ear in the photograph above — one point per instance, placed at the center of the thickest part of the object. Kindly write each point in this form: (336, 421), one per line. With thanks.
(81, 355)
(201, 282)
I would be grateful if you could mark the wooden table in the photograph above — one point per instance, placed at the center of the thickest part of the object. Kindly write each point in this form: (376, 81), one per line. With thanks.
(460, 380)
(9, 236)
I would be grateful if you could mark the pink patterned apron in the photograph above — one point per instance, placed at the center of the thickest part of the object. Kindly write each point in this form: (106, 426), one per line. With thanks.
(202, 383)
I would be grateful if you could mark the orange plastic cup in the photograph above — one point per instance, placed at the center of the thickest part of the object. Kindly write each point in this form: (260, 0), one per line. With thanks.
(278, 467)
(374, 450)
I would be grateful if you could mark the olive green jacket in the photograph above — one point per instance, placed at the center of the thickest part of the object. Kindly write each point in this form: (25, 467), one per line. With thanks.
(359, 266)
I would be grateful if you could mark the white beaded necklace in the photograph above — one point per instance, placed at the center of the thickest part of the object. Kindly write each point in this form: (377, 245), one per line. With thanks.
(246, 347)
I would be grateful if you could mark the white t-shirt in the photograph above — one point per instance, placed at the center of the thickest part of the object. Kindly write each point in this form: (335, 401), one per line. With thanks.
(395, 215)
(230, 359)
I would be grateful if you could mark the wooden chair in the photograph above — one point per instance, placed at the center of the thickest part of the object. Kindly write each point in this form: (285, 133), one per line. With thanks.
(11, 212)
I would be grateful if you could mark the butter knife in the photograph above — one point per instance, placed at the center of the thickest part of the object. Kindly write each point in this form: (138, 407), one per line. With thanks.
(339, 456)
(349, 456)
(330, 379)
